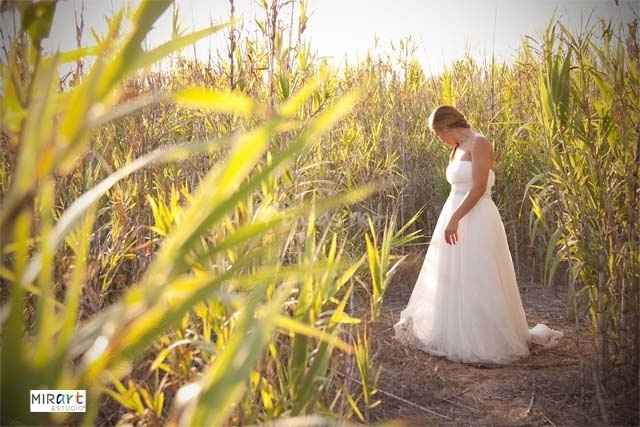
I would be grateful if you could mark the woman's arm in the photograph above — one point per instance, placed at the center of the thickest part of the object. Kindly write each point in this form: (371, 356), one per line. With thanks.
(481, 155)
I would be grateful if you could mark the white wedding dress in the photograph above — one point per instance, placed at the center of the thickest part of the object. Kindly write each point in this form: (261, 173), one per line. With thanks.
(465, 304)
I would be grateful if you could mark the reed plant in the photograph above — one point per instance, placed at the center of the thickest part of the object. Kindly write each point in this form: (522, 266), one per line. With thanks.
(192, 242)
(586, 198)
(221, 256)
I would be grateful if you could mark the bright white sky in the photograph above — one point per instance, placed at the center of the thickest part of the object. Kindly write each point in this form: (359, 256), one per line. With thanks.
(442, 30)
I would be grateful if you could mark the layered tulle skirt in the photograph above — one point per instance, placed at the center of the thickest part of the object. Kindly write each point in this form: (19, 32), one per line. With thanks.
(465, 304)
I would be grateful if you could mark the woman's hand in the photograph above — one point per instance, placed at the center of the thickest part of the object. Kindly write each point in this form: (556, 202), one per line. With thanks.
(451, 232)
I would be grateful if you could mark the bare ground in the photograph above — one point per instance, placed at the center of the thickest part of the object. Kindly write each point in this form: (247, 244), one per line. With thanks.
(546, 388)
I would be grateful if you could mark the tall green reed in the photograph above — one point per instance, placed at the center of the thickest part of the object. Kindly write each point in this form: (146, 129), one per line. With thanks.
(588, 195)
(195, 260)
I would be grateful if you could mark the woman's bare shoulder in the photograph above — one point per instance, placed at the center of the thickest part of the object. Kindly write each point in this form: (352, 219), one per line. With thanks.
(478, 138)
(481, 148)
(481, 144)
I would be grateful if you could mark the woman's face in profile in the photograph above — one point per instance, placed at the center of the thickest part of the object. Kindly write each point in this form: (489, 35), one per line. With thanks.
(442, 135)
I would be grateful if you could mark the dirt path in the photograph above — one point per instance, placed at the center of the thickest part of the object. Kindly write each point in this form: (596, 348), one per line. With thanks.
(544, 389)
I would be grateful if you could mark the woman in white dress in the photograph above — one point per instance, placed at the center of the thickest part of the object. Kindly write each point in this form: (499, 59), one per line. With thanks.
(465, 304)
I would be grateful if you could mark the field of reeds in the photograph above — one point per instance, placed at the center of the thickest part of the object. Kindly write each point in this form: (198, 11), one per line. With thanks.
(189, 245)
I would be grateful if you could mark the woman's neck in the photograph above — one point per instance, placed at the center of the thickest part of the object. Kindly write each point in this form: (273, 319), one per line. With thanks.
(463, 134)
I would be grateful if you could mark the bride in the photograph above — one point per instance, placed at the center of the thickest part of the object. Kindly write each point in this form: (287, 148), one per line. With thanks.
(465, 304)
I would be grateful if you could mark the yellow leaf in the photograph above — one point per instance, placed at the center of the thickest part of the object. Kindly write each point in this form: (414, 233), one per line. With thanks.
(218, 101)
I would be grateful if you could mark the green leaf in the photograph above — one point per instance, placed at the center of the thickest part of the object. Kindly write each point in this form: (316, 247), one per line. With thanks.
(73, 213)
(124, 61)
(79, 53)
(550, 264)
(293, 104)
(37, 18)
(12, 111)
(224, 383)
(144, 59)
(296, 326)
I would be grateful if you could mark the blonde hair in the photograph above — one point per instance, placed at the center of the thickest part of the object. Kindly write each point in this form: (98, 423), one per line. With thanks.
(446, 116)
